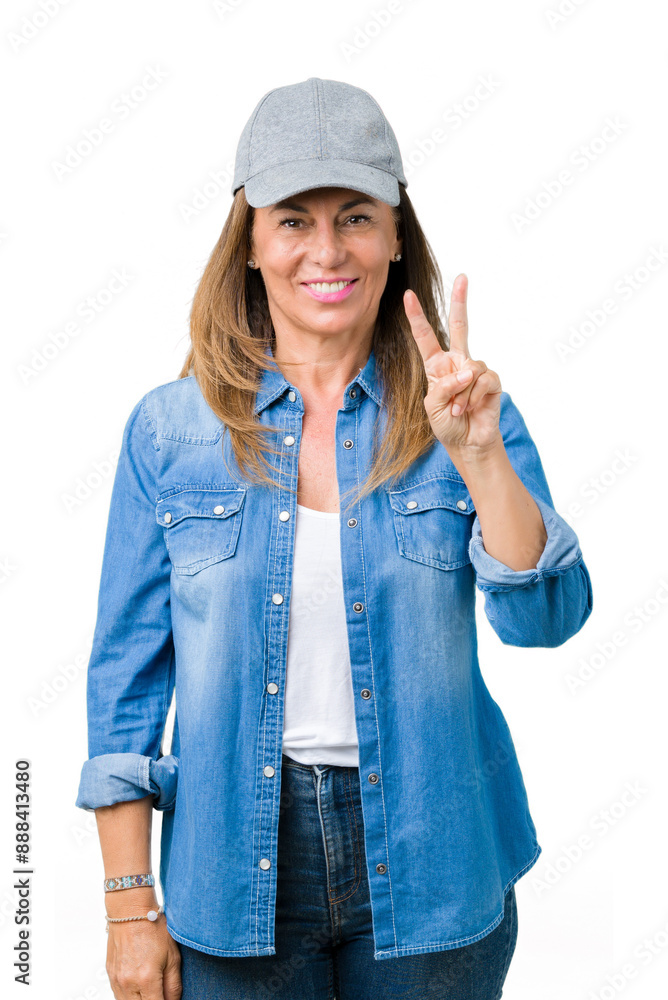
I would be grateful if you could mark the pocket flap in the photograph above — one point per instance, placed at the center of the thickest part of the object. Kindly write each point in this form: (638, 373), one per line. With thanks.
(429, 493)
(212, 501)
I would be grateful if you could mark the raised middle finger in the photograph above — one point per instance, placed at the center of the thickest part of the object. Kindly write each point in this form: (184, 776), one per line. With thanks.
(458, 322)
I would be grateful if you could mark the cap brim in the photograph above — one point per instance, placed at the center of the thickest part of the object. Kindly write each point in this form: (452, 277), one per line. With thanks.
(285, 180)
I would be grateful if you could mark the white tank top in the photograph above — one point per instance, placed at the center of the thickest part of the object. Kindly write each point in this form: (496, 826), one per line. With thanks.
(319, 716)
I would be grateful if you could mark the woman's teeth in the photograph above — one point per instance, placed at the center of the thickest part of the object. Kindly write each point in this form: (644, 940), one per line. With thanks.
(326, 287)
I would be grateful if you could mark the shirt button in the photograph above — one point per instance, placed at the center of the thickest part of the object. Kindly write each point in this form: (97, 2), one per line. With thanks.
(168, 517)
(358, 607)
(289, 439)
(461, 504)
(272, 688)
(284, 515)
(292, 396)
(277, 598)
(219, 509)
(269, 771)
(347, 443)
(411, 504)
(352, 522)
(381, 868)
(373, 778)
(265, 863)
(365, 693)
(353, 393)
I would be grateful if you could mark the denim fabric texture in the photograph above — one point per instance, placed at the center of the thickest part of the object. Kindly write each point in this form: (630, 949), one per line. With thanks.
(194, 602)
(324, 925)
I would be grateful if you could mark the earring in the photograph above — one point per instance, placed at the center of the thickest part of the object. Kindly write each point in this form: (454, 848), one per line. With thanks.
(251, 263)
(397, 256)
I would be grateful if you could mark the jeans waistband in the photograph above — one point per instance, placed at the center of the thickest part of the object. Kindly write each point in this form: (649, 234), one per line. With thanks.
(290, 762)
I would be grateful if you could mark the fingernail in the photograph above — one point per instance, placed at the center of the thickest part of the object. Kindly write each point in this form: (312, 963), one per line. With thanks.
(456, 409)
(463, 375)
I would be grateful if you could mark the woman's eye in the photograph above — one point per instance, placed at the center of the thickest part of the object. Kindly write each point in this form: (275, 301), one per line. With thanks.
(288, 223)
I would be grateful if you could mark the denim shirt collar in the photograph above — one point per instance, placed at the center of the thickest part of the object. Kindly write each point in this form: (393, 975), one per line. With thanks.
(274, 384)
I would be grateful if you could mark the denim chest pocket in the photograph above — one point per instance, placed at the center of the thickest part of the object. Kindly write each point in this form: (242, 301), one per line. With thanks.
(201, 525)
(433, 519)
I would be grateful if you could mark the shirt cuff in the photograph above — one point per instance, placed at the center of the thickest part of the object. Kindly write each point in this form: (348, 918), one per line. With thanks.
(561, 553)
(122, 777)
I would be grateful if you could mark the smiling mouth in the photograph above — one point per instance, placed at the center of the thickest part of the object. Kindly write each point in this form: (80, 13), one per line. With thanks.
(326, 287)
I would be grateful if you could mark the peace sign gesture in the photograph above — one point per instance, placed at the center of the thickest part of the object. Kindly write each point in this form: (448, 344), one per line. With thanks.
(463, 401)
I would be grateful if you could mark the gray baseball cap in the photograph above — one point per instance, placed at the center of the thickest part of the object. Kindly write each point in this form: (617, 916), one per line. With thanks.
(317, 133)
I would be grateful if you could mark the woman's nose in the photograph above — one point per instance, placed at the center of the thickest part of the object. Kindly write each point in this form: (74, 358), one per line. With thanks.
(327, 246)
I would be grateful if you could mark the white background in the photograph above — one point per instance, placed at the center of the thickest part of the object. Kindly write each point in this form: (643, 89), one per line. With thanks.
(554, 81)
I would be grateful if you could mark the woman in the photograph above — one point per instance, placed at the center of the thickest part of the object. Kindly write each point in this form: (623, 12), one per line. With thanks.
(314, 614)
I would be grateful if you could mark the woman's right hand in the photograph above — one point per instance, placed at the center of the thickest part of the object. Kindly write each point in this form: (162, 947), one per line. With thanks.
(143, 961)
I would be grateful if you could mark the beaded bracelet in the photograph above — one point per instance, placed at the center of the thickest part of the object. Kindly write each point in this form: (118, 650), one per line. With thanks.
(151, 915)
(127, 882)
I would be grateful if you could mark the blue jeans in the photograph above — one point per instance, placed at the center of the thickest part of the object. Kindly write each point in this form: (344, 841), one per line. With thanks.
(324, 932)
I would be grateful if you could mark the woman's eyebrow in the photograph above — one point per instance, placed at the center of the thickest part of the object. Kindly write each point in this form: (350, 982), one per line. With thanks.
(287, 203)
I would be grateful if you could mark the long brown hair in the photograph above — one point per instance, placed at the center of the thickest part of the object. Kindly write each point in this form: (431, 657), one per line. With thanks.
(231, 332)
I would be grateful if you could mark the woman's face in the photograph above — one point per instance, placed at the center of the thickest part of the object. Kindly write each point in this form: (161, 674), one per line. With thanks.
(328, 234)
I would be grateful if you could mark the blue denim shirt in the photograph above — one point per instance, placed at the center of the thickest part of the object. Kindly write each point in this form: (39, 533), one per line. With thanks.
(195, 598)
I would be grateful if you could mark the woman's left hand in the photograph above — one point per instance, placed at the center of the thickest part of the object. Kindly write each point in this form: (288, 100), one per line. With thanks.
(476, 425)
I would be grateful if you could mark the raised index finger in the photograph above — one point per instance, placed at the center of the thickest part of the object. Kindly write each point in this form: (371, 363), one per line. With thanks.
(423, 333)
(458, 322)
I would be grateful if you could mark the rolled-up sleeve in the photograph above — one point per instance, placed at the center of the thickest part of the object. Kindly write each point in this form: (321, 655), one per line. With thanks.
(130, 678)
(548, 604)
